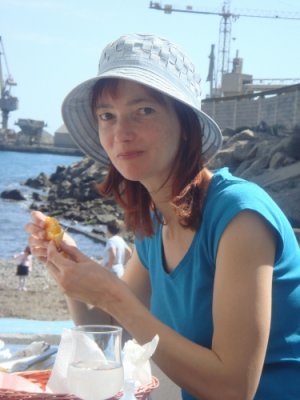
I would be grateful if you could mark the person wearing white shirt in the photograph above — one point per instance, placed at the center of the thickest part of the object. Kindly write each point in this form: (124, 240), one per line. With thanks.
(116, 252)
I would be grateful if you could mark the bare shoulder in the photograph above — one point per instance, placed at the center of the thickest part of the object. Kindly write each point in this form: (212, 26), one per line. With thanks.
(248, 236)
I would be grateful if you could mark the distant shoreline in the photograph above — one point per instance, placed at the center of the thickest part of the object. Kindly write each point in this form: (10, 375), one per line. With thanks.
(42, 149)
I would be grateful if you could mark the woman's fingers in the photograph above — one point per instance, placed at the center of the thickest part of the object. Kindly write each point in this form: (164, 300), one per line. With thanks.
(38, 218)
(36, 239)
(62, 268)
(53, 259)
(36, 227)
(38, 248)
(35, 231)
(73, 252)
(69, 240)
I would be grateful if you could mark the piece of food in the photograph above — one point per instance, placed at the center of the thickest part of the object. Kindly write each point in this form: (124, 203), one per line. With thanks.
(53, 231)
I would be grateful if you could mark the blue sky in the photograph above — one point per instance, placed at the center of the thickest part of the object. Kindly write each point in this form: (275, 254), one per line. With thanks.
(52, 45)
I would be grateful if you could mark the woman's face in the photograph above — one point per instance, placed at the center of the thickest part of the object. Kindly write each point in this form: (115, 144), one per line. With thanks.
(139, 133)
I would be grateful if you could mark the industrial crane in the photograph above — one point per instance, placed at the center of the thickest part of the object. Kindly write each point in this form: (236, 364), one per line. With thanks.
(224, 30)
(8, 103)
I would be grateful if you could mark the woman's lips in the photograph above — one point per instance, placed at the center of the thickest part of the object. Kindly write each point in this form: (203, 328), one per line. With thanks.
(128, 155)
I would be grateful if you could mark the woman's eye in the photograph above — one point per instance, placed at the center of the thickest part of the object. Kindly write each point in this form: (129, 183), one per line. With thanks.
(105, 116)
(147, 110)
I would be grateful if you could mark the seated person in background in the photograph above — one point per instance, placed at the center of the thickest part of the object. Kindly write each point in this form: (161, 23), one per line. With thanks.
(116, 252)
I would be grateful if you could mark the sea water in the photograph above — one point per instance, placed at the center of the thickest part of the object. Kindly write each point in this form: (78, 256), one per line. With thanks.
(15, 169)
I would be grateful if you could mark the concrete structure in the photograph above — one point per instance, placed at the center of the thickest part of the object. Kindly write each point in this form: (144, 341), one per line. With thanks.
(278, 107)
(62, 138)
(233, 83)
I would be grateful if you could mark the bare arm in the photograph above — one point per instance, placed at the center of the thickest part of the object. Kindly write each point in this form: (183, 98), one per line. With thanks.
(128, 254)
(111, 257)
(135, 277)
(241, 311)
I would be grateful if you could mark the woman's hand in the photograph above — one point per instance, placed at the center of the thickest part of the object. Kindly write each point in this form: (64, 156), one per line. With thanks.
(81, 278)
(37, 239)
(76, 274)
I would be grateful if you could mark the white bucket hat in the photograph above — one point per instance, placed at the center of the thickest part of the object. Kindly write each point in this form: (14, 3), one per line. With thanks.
(151, 61)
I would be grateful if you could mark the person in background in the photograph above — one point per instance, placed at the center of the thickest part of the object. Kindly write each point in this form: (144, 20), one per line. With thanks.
(116, 252)
(215, 271)
(24, 260)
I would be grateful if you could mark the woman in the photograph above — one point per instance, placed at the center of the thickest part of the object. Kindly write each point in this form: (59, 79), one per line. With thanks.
(215, 270)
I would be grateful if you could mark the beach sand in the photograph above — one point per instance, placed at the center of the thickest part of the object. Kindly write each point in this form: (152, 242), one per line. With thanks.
(42, 300)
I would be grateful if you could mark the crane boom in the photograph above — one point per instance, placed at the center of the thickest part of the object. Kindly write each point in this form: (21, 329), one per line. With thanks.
(168, 9)
(225, 26)
(8, 103)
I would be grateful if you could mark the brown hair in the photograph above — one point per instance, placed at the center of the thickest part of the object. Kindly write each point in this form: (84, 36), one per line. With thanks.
(188, 187)
(27, 250)
(113, 227)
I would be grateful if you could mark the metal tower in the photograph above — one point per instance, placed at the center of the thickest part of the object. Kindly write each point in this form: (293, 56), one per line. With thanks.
(227, 17)
(8, 103)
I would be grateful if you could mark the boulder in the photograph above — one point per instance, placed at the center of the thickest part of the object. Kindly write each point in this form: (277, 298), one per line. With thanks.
(270, 160)
(39, 182)
(13, 194)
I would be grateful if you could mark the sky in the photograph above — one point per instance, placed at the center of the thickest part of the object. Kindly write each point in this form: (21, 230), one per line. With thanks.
(53, 45)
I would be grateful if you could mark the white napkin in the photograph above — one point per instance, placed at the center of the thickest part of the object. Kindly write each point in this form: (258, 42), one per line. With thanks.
(23, 359)
(74, 344)
(136, 362)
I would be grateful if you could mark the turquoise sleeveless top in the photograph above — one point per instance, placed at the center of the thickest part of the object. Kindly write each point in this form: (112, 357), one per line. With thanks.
(182, 299)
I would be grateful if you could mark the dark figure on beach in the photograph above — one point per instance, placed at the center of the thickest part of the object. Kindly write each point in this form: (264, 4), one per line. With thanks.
(24, 266)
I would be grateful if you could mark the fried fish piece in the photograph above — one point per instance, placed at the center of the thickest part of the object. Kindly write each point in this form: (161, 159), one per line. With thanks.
(53, 231)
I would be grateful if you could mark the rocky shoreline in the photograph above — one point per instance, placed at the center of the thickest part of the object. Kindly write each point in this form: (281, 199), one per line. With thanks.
(269, 157)
(71, 193)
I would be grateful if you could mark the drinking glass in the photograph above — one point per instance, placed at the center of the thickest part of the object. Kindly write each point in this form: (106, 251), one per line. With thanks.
(96, 371)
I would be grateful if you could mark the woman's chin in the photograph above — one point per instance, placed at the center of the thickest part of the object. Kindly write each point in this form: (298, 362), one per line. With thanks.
(133, 177)
(132, 174)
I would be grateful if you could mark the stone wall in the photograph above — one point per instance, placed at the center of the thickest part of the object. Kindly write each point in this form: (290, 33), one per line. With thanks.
(274, 107)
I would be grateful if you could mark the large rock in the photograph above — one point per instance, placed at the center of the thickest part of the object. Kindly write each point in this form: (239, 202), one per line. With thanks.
(40, 181)
(13, 194)
(270, 160)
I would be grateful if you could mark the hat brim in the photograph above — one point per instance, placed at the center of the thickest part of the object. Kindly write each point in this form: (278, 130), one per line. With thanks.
(81, 124)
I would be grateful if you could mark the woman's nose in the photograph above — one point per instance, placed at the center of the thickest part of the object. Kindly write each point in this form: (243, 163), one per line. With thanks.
(124, 129)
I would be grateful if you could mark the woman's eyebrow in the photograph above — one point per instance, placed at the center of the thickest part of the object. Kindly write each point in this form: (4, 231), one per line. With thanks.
(129, 103)
(140, 100)
(102, 105)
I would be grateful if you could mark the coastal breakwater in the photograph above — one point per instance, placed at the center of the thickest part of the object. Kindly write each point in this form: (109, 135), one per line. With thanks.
(41, 149)
(274, 108)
